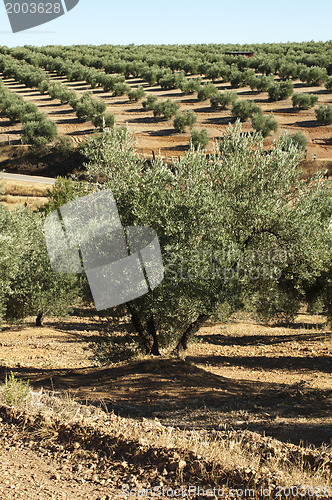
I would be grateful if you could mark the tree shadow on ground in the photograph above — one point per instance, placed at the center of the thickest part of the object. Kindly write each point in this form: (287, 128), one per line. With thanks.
(317, 363)
(264, 339)
(180, 393)
(307, 124)
(221, 120)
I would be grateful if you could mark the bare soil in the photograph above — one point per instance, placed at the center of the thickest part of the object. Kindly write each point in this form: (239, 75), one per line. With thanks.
(241, 380)
(240, 375)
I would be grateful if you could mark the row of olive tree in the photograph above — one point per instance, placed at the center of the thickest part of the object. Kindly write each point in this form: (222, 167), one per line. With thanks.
(37, 129)
(153, 63)
(87, 108)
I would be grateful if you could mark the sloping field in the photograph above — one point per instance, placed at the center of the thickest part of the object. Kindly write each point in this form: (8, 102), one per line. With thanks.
(153, 135)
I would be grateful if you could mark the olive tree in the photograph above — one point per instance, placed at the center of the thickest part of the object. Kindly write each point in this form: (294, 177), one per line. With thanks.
(304, 101)
(280, 91)
(181, 121)
(29, 286)
(264, 124)
(324, 114)
(240, 223)
(244, 109)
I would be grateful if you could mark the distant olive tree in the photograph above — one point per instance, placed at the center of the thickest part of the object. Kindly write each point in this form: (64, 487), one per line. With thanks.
(244, 109)
(324, 114)
(182, 121)
(304, 101)
(264, 124)
(281, 91)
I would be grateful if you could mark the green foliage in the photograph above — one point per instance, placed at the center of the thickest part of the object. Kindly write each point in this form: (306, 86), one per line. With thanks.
(288, 70)
(199, 139)
(172, 80)
(64, 146)
(298, 139)
(191, 86)
(115, 348)
(324, 114)
(281, 91)
(240, 78)
(63, 191)
(151, 76)
(38, 132)
(244, 109)
(43, 86)
(181, 121)
(238, 225)
(121, 89)
(104, 120)
(328, 83)
(313, 76)
(264, 124)
(304, 101)
(223, 99)
(29, 286)
(14, 392)
(207, 91)
(149, 103)
(261, 83)
(136, 95)
(166, 109)
(88, 107)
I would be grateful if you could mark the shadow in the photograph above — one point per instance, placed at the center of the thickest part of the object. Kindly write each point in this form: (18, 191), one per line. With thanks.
(206, 109)
(145, 119)
(154, 89)
(72, 121)
(136, 110)
(246, 340)
(173, 389)
(192, 100)
(223, 120)
(82, 132)
(308, 124)
(78, 85)
(291, 111)
(319, 363)
(62, 112)
(180, 147)
(86, 327)
(15, 142)
(51, 103)
(324, 142)
(162, 133)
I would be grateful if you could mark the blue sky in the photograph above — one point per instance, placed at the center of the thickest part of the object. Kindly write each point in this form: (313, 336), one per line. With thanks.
(179, 21)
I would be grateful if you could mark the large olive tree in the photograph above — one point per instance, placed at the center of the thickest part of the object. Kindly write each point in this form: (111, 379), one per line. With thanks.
(237, 226)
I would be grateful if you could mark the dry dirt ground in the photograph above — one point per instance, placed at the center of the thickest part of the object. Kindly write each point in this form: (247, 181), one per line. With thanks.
(155, 135)
(237, 376)
(241, 375)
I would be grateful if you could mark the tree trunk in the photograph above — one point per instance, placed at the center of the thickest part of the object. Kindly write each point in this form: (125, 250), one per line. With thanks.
(39, 319)
(152, 331)
(190, 332)
(135, 317)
